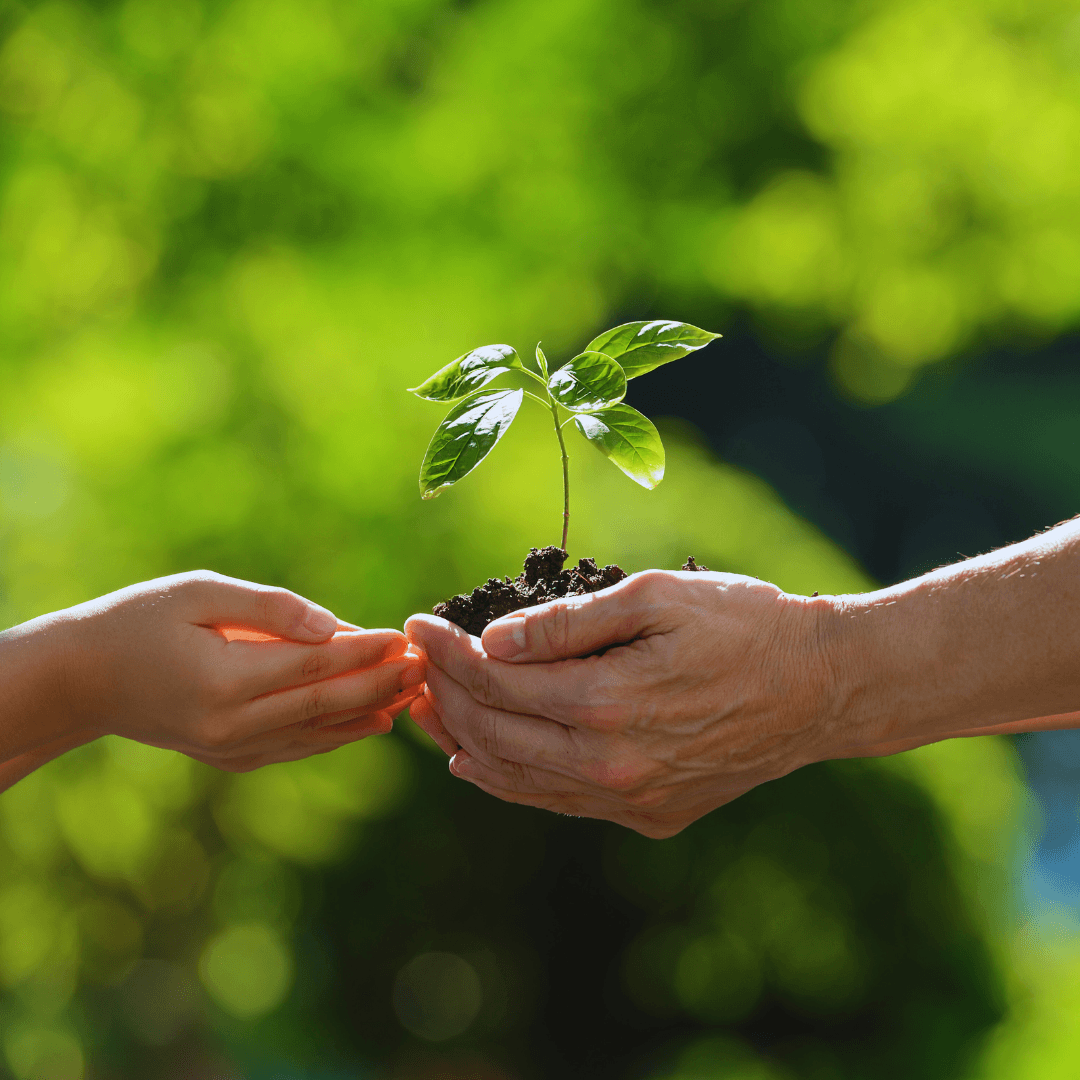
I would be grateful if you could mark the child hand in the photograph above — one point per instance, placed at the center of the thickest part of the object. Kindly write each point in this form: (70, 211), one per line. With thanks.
(235, 674)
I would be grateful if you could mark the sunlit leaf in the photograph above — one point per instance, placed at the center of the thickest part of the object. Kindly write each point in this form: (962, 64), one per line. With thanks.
(467, 435)
(541, 361)
(641, 346)
(590, 381)
(629, 439)
(468, 373)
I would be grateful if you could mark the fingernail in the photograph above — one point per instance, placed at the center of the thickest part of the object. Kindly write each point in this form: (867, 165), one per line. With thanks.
(412, 676)
(461, 764)
(320, 621)
(505, 639)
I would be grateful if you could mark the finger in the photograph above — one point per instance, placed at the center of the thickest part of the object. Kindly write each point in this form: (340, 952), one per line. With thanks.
(532, 780)
(525, 779)
(309, 705)
(264, 667)
(558, 804)
(216, 600)
(575, 692)
(656, 827)
(497, 737)
(238, 633)
(392, 707)
(573, 626)
(297, 749)
(424, 716)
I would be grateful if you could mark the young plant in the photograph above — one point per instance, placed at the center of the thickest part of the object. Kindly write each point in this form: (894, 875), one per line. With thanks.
(589, 390)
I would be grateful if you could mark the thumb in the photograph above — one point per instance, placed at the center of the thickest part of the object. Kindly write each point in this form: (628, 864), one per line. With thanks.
(229, 602)
(560, 629)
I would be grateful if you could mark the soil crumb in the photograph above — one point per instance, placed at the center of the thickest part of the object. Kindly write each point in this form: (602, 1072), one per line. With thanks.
(542, 579)
(690, 564)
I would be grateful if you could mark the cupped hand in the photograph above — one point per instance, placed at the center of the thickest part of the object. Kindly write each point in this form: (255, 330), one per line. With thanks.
(232, 673)
(649, 703)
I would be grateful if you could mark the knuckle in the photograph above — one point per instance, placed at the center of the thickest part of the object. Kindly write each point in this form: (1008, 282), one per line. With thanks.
(605, 718)
(386, 685)
(316, 665)
(647, 798)
(198, 577)
(481, 685)
(518, 774)
(617, 776)
(651, 582)
(312, 703)
(552, 629)
(212, 734)
(486, 733)
(280, 607)
(192, 584)
(199, 582)
(268, 607)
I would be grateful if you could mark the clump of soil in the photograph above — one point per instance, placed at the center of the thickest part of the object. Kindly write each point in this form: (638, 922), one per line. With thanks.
(542, 579)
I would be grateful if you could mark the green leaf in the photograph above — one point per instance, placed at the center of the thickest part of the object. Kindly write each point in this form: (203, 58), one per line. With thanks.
(641, 346)
(467, 435)
(468, 373)
(589, 382)
(629, 439)
(541, 360)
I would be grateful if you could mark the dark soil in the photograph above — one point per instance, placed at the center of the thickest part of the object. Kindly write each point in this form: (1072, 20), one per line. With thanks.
(542, 579)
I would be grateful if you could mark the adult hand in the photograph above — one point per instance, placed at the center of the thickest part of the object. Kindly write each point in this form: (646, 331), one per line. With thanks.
(708, 685)
(235, 674)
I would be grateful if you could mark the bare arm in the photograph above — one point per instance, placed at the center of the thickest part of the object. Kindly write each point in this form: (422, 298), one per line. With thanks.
(11, 772)
(713, 683)
(989, 645)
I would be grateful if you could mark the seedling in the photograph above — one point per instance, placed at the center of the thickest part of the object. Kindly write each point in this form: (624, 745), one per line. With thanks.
(589, 391)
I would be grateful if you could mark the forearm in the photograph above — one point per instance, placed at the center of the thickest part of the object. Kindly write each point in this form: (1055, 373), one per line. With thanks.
(33, 711)
(11, 772)
(990, 645)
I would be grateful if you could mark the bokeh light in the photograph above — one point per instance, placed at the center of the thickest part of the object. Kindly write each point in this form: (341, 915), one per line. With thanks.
(232, 233)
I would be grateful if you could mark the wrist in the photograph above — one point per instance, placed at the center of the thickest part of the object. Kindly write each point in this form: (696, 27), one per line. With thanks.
(901, 667)
(852, 635)
(42, 705)
(828, 696)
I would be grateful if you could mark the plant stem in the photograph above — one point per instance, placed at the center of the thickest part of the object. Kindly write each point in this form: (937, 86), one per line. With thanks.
(565, 474)
(533, 375)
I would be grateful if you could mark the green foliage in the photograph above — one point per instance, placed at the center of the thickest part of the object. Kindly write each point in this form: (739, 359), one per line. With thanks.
(641, 346)
(629, 439)
(589, 382)
(231, 231)
(466, 436)
(590, 387)
(468, 373)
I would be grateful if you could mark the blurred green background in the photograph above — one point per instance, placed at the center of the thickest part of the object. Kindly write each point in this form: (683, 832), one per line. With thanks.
(231, 233)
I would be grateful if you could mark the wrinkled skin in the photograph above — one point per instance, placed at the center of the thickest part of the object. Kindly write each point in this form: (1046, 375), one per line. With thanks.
(709, 685)
(712, 683)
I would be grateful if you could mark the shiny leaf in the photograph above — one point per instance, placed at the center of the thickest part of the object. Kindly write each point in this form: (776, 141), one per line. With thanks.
(641, 346)
(589, 382)
(629, 439)
(541, 361)
(468, 373)
(467, 435)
